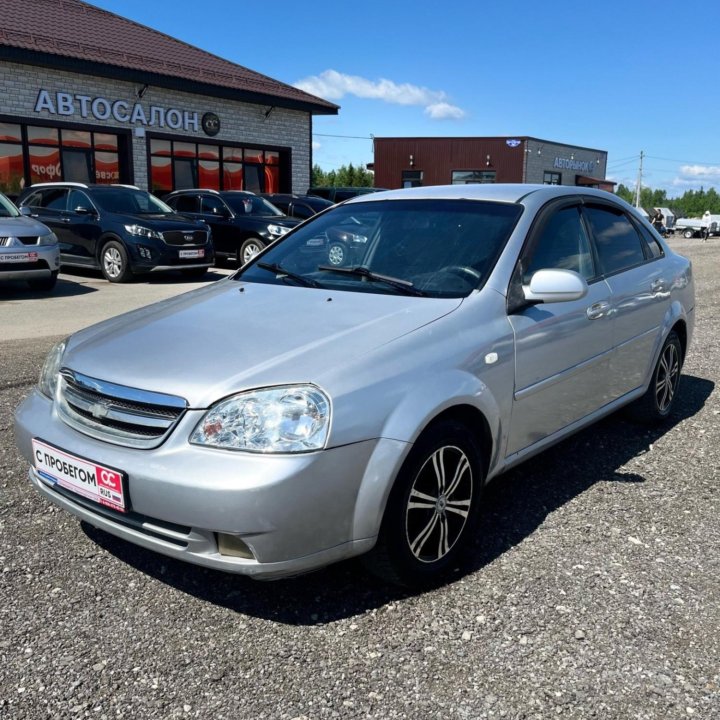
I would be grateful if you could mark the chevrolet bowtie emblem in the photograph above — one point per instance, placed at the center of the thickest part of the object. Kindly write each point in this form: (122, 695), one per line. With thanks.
(99, 410)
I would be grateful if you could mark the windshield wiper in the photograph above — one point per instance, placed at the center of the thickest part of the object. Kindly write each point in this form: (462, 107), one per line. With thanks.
(282, 272)
(405, 286)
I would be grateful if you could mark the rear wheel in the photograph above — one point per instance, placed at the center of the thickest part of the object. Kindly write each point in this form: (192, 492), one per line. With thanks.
(46, 283)
(658, 401)
(114, 262)
(432, 509)
(688, 233)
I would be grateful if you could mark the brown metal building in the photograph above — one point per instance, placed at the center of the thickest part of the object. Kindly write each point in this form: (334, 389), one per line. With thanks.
(412, 162)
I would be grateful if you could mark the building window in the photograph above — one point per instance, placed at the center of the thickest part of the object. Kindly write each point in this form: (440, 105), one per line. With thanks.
(56, 154)
(412, 178)
(178, 165)
(473, 177)
(552, 178)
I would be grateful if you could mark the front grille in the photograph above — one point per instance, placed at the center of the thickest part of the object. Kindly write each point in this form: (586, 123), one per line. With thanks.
(25, 240)
(160, 529)
(116, 413)
(185, 237)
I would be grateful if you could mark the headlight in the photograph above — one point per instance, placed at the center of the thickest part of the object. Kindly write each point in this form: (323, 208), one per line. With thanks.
(288, 419)
(50, 239)
(142, 231)
(278, 230)
(47, 384)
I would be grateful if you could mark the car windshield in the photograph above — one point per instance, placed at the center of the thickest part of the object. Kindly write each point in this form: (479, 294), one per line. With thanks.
(130, 201)
(252, 205)
(435, 248)
(7, 209)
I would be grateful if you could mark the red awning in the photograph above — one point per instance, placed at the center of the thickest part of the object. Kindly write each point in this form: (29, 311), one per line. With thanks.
(588, 181)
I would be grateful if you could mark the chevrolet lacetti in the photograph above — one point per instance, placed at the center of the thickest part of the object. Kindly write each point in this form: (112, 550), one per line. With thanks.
(301, 412)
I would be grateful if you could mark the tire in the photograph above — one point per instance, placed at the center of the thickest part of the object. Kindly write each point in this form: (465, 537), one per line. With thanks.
(337, 254)
(114, 262)
(249, 249)
(195, 272)
(657, 403)
(430, 515)
(44, 284)
(688, 233)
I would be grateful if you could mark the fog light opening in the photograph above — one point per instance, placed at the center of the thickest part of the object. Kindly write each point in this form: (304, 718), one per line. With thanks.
(233, 546)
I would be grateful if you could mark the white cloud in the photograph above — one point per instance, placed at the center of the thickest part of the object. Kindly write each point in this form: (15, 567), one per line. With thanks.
(333, 85)
(316, 145)
(700, 171)
(444, 111)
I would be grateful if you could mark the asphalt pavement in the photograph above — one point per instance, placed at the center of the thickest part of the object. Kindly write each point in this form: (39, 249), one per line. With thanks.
(593, 590)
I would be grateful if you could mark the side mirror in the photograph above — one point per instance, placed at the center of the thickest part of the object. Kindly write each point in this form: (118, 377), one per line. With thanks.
(82, 210)
(551, 286)
(26, 211)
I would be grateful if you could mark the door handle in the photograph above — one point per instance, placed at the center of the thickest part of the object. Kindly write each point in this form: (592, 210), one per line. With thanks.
(657, 285)
(66, 220)
(598, 310)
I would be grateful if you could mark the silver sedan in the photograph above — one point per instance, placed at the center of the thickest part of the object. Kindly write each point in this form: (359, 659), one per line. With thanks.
(301, 411)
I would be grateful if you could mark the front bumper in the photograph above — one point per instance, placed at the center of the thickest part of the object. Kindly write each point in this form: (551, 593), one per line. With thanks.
(295, 512)
(47, 262)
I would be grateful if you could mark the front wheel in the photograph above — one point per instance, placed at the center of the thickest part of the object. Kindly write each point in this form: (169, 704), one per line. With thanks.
(114, 262)
(688, 233)
(250, 248)
(432, 509)
(658, 401)
(337, 254)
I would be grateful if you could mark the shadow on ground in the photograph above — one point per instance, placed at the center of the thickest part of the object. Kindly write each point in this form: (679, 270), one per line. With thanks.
(65, 287)
(515, 505)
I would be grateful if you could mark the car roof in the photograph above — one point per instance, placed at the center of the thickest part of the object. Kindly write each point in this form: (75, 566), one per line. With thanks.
(496, 192)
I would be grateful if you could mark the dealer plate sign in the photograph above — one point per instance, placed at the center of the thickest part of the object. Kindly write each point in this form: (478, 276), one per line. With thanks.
(21, 257)
(96, 482)
(192, 253)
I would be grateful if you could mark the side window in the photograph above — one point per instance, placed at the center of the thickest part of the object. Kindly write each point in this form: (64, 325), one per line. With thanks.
(653, 247)
(618, 243)
(211, 205)
(54, 199)
(79, 199)
(302, 211)
(33, 200)
(186, 203)
(562, 244)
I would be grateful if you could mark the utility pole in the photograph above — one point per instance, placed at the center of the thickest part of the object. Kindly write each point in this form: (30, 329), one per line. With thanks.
(639, 181)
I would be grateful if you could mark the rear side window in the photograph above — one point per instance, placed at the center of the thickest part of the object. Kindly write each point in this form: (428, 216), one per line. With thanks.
(50, 198)
(211, 205)
(618, 244)
(186, 203)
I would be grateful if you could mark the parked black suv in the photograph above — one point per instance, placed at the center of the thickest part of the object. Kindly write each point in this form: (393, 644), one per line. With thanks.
(301, 207)
(118, 228)
(242, 223)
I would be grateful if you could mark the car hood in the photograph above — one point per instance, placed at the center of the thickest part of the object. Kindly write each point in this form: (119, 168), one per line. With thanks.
(231, 336)
(160, 221)
(22, 226)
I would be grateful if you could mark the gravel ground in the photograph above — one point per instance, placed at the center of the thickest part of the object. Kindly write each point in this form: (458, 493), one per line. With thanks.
(593, 593)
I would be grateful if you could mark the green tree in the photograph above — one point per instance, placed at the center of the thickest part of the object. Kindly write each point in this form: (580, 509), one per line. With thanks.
(344, 176)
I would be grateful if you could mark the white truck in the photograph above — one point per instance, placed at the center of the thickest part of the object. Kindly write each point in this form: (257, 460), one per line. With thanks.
(707, 225)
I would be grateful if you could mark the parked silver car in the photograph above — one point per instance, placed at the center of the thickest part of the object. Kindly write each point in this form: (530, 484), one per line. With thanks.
(29, 250)
(300, 412)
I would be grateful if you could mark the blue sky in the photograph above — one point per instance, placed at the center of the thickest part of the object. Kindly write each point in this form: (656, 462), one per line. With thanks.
(618, 76)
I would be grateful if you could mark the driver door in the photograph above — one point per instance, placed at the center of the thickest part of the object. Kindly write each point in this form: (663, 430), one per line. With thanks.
(562, 350)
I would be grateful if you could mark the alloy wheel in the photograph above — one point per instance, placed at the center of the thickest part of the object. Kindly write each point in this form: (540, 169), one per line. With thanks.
(439, 504)
(113, 262)
(667, 377)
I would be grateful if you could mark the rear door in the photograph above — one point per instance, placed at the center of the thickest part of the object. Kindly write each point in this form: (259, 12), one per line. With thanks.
(632, 263)
(227, 238)
(48, 205)
(562, 350)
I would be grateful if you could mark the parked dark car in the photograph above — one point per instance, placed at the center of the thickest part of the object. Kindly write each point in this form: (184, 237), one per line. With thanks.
(338, 194)
(301, 207)
(242, 223)
(119, 229)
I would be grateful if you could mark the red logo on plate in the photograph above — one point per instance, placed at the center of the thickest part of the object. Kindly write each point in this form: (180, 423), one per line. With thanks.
(108, 479)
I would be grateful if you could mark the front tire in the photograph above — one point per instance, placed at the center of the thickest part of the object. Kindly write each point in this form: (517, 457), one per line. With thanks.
(657, 403)
(688, 233)
(114, 262)
(249, 249)
(432, 509)
(337, 254)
